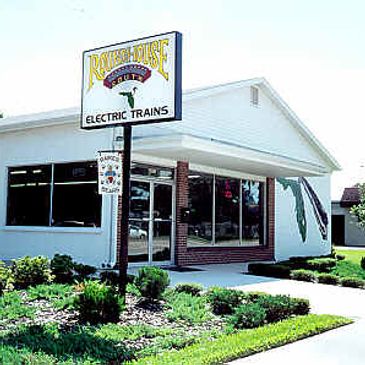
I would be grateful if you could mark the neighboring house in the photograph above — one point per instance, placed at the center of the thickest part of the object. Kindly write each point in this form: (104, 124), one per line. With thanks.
(237, 160)
(345, 228)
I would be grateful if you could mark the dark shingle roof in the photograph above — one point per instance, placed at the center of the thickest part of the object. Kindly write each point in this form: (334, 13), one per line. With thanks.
(350, 196)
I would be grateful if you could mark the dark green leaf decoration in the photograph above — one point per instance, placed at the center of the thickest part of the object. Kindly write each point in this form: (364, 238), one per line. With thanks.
(299, 204)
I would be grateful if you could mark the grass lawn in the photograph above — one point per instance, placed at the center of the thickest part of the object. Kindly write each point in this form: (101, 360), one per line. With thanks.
(247, 342)
(351, 255)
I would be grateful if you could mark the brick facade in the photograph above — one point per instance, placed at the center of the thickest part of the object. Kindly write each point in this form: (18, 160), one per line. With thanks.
(185, 255)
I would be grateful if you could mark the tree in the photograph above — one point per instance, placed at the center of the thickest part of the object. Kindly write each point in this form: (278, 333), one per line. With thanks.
(359, 210)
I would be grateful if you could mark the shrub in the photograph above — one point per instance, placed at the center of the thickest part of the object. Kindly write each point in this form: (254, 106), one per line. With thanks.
(273, 270)
(340, 257)
(110, 277)
(352, 282)
(303, 275)
(152, 281)
(277, 307)
(248, 316)
(328, 279)
(321, 264)
(84, 271)
(224, 301)
(98, 303)
(301, 306)
(189, 288)
(189, 308)
(29, 271)
(298, 306)
(62, 268)
(362, 262)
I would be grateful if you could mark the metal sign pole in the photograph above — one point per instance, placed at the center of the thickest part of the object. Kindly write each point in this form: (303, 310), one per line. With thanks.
(124, 233)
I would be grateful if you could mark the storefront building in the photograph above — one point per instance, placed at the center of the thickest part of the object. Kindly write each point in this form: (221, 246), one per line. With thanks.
(240, 178)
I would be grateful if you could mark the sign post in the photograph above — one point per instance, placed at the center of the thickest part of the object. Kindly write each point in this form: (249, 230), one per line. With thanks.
(125, 84)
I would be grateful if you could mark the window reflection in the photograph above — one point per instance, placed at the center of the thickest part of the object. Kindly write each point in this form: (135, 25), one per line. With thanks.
(200, 205)
(252, 212)
(227, 203)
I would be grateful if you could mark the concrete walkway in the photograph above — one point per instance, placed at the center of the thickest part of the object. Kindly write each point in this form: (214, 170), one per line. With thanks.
(343, 346)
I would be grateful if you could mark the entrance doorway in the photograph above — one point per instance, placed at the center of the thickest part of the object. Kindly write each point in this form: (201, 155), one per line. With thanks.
(151, 228)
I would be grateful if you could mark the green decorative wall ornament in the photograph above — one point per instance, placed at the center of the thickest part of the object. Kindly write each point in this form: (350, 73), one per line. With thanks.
(297, 187)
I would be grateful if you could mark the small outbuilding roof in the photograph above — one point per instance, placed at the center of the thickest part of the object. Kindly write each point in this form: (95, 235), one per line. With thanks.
(350, 196)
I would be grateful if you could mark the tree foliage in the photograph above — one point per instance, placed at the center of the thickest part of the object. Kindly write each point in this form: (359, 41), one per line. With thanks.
(359, 210)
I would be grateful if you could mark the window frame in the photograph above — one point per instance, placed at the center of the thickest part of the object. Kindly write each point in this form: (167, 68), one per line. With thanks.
(49, 227)
(213, 243)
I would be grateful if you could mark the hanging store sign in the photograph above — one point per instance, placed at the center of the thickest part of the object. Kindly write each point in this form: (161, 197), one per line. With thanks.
(110, 172)
(135, 82)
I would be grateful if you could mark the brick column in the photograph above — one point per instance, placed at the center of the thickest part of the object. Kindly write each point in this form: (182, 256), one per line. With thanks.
(182, 194)
(270, 215)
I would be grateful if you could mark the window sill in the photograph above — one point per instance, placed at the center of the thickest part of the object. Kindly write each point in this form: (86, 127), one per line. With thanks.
(86, 230)
(226, 246)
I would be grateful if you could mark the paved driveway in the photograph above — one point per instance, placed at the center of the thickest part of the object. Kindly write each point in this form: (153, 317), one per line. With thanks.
(343, 346)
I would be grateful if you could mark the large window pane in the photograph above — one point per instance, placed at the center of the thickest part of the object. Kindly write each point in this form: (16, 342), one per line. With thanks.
(200, 205)
(227, 203)
(29, 196)
(252, 212)
(76, 202)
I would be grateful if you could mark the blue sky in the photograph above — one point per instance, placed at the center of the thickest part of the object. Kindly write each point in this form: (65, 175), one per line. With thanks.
(310, 51)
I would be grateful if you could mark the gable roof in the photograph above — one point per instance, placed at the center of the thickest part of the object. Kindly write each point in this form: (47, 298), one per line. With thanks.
(66, 116)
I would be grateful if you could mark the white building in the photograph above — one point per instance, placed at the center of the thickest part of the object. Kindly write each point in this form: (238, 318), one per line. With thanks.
(236, 160)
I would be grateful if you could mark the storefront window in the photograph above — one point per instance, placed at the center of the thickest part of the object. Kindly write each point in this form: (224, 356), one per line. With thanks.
(252, 212)
(76, 202)
(29, 196)
(227, 211)
(62, 195)
(200, 205)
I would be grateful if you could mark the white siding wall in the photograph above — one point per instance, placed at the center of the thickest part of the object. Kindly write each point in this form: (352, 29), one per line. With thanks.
(288, 241)
(46, 145)
(230, 117)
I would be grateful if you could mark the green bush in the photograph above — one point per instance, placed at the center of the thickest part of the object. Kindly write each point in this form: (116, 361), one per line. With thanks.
(298, 306)
(224, 301)
(277, 307)
(362, 262)
(98, 303)
(62, 268)
(189, 288)
(352, 282)
(301, 306)
(110, 277)
(247, 316)
(272, 270)
(303, 275)
(328, 279)
(84, 271)
(321, 264)
(152, 281)
(186, 307)
(29, 271)
(340, 257)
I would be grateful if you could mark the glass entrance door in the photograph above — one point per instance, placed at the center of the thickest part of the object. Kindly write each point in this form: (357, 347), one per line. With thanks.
(150, 222)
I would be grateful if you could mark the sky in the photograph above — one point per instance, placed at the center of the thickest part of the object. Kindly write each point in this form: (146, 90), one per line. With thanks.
(311, 52)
